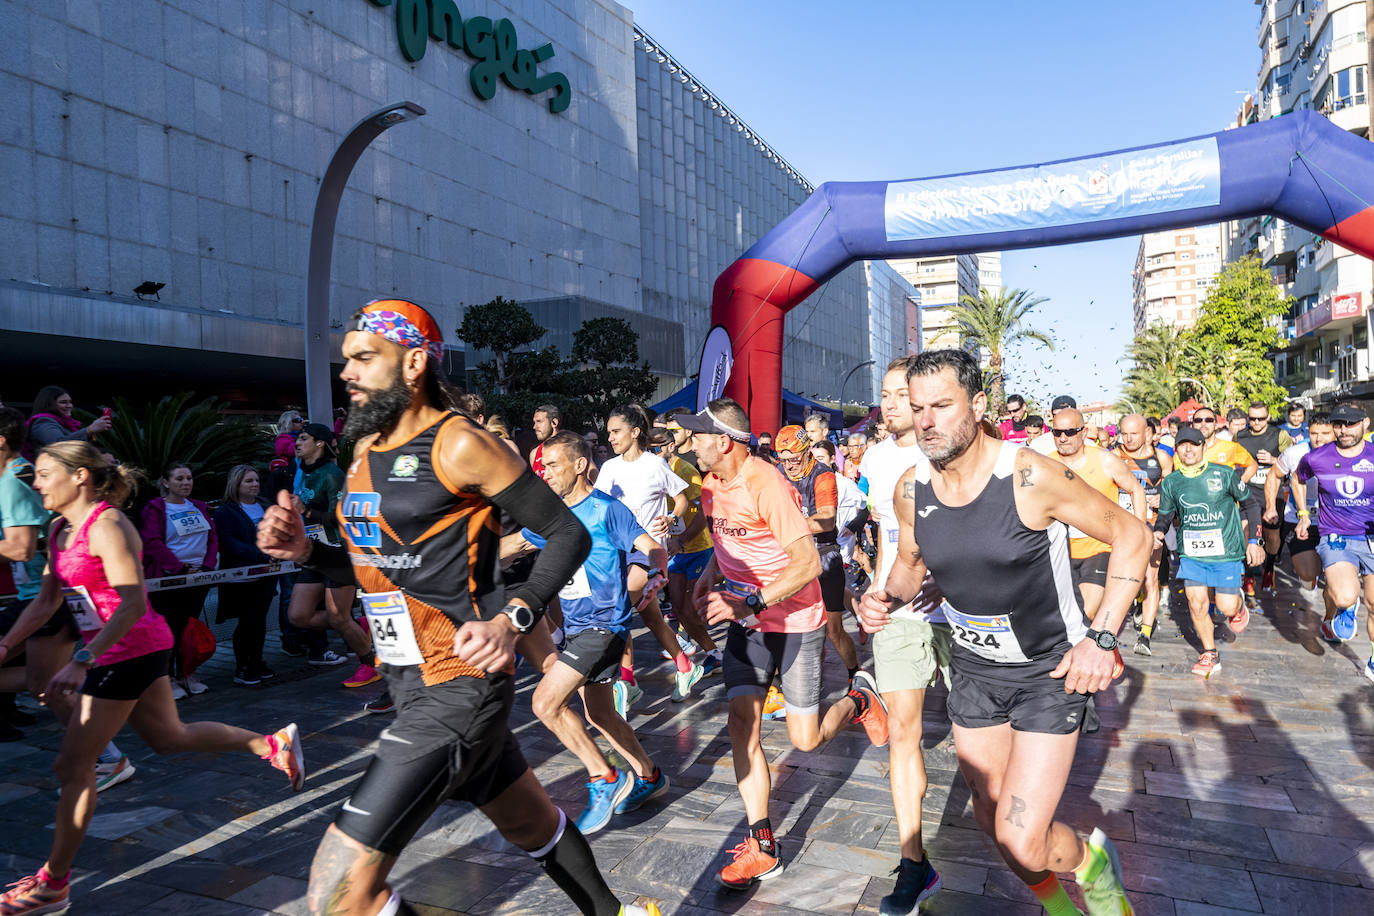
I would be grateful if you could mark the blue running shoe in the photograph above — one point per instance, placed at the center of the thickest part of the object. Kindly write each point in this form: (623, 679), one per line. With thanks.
(710, 664)
(1369, 668)
(1344, 623)
(916, 882)
(644, 789)
(603, 798)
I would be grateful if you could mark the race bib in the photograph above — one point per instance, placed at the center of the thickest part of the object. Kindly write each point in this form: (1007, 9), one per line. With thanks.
(316, 533)
(1123, 499)
(741, 590)
(1206, 543)
(892, 535)
(577, 587)
(189, 523)
(988, 636)
(83, 608)
(1261, 475)
(393, 633)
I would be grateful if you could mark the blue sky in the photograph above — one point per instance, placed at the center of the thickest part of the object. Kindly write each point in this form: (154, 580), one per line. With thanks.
(905, 89)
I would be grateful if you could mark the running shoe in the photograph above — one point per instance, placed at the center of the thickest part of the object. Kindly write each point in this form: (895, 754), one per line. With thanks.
(633, 692)
(751, 864)
(1142, 645)
(263, 672)
(30, 896)
(194, 687)
(1344, 623)
(288, 757)
(620, 695)
(711, 663)
(1240, 621)
(1267, 584)
(247, 677)
(916, 881)
(684, 643)
(327, 659)
(774, 706)
(1208, 664)
(1369, 668)
(1104, 891)
(1247, 585)
(683, 682)
(381, 704)
(603, 797)
(366, 674)
(293, 649)
(178, 691)
(1329, 633)
(1137, 615)
(112, 774)
(874, 718)
(638, 909)
(643, 791)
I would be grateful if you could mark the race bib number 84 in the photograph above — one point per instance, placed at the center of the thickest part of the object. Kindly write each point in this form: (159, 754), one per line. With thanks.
(393, 633)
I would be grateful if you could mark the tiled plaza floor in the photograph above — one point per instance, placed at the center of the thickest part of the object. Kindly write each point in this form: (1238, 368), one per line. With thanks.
(1250, 793)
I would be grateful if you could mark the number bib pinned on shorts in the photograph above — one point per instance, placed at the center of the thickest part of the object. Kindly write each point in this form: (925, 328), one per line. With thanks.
(1205, 543)
(393, 633)
(83, 610)
(1261, 475)
(578, 587)
(990, 637)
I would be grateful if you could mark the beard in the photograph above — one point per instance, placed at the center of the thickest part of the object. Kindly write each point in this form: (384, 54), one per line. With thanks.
(381, 411)
(946, 449)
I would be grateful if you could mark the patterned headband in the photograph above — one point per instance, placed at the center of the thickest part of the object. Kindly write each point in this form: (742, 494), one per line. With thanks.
(398, 328)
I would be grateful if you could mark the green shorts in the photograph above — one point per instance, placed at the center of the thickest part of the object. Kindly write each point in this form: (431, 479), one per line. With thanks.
(910, 654)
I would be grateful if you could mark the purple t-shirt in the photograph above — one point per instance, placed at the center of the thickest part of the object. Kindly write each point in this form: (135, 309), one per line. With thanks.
(1345, 487)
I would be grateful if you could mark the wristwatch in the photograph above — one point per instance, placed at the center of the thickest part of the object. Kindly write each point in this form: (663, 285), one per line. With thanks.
(755, 603)
(1105, 641)
(83, 656)
(521, 617)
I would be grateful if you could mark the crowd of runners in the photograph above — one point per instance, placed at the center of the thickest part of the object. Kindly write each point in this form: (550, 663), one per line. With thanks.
(1000, 556)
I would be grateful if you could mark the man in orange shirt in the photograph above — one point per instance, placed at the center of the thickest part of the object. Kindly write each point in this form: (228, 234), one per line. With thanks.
(1219, 451)
(768, 559)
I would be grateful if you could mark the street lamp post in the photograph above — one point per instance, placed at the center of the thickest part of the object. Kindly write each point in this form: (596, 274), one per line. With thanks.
(867, 362)
(319, 402)
(1205, 393)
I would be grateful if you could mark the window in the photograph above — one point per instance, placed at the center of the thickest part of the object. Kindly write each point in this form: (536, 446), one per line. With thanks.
(1343, 89)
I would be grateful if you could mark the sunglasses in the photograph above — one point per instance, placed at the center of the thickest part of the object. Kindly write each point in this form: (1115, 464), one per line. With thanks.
(1257, 419)
(1204, 419)
(1067, 432)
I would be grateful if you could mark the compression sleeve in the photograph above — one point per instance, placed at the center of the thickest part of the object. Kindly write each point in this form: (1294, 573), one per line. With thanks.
(531, 503)
(1163, 521)
(332, 561)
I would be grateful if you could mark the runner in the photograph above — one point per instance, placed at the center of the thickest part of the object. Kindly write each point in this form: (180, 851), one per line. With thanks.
(1344, 474)
(1208, 500)
(120, 674)
(1296, 427)
(315, 495)
(1035, 426)
(1265, 442)
(1218, 450)
(647, 486)
(1107, 474)
(1015, 428)
(1235, 425)
(1306, 564)
(418, 515)
(820, 500)
(982, 518)
(1149, 465)
(772, 601)
(1044, 443)
(596, 622)
(908, 652)
(546, 423)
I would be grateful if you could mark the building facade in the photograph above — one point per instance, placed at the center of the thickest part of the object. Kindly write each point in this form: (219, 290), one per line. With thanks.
(182, 143)
(1314, 54)
(1173, 271)
(940, 283)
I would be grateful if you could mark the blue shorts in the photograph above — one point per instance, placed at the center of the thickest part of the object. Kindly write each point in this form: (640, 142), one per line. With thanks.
(1224, 577)
(691, 565)
(1346, 548)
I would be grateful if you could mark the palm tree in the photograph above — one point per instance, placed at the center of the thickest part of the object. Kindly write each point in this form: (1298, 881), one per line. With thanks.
(1163, 356)
(992, 321)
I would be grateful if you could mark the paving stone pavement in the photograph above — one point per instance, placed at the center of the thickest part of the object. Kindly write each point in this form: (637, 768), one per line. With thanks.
(1249, 793)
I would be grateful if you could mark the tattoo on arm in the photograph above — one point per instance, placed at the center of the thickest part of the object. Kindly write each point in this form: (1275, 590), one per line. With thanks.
(909, 490)
(1109, 516)
(1127, 579)
(1018, 807)
(1026, 478)
(1068, 475)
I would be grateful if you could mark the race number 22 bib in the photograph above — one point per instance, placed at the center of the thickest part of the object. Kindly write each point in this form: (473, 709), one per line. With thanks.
(1204, 543)
(393, 633)
(83, 610)
(989, 636)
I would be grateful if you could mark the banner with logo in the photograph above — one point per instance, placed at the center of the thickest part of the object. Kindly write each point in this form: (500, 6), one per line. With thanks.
(717, 359)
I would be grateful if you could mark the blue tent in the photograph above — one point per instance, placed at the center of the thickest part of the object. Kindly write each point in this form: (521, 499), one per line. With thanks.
(794, 406)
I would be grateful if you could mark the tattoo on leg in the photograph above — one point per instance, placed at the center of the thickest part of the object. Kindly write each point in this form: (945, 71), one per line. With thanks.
(331, 879)
(1109, 516)
(1018, 807)
(1026, 477)
(1127, 579)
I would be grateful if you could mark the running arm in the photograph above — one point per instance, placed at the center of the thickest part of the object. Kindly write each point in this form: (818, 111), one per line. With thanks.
(19, 543)
(1271, 490)
(652, 549)
(38, 612)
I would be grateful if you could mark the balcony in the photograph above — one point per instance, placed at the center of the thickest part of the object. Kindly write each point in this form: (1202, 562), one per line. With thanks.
(1277, 243)
(1327, 253)
(1333, 313)
(1353, 116)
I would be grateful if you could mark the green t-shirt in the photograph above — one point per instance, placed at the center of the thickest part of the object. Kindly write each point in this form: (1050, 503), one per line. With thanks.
(319, 489)
(21, 506)
(1208, 512)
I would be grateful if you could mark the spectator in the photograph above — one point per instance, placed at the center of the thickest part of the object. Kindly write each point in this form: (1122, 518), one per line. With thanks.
(52, 421)
(496, 425)
(178, 538)
(472, 404)
(340, 420)
(1035, 426)
(284, 447)
(236, 523)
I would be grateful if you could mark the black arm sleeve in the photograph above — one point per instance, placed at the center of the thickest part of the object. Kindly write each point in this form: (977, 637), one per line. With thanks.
(531, 503)
(857, 523)
(1250, 508)
(1162, 522)
(332, 561)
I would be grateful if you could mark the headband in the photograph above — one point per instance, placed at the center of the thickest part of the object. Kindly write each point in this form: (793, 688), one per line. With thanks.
(403, 323)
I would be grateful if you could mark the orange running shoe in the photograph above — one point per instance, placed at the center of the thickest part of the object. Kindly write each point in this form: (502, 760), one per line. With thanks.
(30, 896)
(1239, 622)
(1208, 664)
(751, 864)
(288, 757)
(774, 707)
(874, 718)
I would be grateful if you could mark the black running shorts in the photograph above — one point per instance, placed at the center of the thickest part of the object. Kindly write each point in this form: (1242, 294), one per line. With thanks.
(1092, 570)
(594, 654)
(984, 694)
(752, 659)
(832, 577)
(1288, 534)
(126, 680)
(60, 622)
(449, 741)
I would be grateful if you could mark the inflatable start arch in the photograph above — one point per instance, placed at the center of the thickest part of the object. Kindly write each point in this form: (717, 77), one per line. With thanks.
(1300, 167)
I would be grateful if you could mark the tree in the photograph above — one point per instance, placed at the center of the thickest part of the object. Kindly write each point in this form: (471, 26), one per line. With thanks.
(606, 352)
(1236, 334)
(992, 321)
(502, 327)
(1162, 356)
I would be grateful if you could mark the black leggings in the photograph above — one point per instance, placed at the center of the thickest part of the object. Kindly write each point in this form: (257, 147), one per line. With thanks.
(177, 606)
(249, 601)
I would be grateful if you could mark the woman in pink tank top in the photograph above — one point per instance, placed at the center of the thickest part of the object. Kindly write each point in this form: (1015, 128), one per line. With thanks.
(120, 674)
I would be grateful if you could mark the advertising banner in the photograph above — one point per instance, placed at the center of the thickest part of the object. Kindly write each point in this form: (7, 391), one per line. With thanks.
(717, 359)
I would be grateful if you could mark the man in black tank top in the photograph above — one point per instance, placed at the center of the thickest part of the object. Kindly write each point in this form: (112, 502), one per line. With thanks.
(419, 515)
(1150, 465)
(989, 519)
(1265, 442)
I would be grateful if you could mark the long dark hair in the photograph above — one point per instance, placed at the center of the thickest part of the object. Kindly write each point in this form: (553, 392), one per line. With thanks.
(46, 399)
(636, 417)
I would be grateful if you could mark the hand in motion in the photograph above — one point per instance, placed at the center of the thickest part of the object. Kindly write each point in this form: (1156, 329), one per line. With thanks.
(281, 533)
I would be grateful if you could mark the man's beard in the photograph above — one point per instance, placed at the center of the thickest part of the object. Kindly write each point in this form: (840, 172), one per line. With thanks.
(381, 411)
(957, 443)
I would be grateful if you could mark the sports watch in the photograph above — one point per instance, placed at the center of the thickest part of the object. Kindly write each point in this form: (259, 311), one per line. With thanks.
(521, 617)
(755, 603)
(83, 656)
(1105, 641)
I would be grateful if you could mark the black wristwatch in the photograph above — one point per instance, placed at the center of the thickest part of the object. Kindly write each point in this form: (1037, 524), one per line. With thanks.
(521, 617)
(755, 603)
(1105, 641)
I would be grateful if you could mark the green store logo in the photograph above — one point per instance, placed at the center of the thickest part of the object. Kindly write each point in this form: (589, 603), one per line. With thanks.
(493, 45)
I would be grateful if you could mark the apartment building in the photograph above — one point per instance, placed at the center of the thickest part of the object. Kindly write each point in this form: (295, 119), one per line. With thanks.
(939, 283)
(1173, 271)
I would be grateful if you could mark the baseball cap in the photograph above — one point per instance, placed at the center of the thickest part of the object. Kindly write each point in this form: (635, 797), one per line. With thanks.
(707, 422)
(1062, 402)
(321, 432)
(1347, 414)
(1189, 434)
(791, 439)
